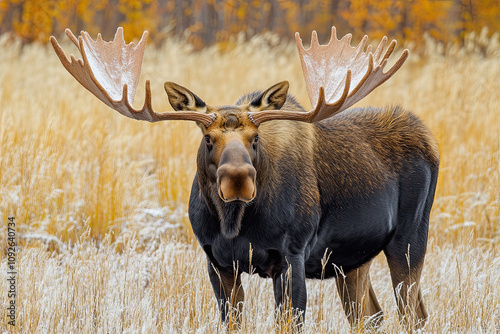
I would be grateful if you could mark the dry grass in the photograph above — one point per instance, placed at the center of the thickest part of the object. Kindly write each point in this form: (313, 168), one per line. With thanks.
(100, 200)
(165, 289)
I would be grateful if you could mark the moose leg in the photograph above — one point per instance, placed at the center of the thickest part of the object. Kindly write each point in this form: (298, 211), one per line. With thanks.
(405, 256)
(229, 293)
(406, 284)
(290, 291)
(406, 251)
(358, 298)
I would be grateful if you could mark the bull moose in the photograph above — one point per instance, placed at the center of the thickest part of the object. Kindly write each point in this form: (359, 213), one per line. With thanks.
(311, 194)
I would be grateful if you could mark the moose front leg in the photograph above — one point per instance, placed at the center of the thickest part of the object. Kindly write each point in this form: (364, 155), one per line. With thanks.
(229, 293)
(290, 291)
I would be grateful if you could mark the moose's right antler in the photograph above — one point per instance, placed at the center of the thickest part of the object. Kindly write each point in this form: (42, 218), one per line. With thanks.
(111, 70)
(331, 70)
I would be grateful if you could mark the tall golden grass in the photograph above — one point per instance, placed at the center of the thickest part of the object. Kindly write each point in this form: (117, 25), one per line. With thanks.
(100, 200)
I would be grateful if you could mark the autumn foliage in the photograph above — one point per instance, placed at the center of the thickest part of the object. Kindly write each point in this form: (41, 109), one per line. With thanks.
(216, 21)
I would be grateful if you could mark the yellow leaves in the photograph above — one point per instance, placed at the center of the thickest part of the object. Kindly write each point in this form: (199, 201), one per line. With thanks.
(405, 20)
(242, 11)
(217, 21)
(35, 20)
(139, 16)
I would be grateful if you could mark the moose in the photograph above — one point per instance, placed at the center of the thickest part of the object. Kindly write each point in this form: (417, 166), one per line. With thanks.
(292, 194)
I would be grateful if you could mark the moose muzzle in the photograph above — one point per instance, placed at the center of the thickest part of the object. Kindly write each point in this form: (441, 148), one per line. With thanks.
(236, 174)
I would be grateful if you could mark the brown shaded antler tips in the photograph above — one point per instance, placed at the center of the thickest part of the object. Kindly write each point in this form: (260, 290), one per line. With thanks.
(347, 87)
(54, 43)
(59, 51)
(390, 49)
(347, 39)
(320, 102)
(380, 48)
(74, 60)
(314, 39)
(125, 94)
(399, 63)
(298, 40)
(333, 34)
(119, 35)
(71, 36)
(145, 35)
(147, 97)
(143, 40)
(362, 44)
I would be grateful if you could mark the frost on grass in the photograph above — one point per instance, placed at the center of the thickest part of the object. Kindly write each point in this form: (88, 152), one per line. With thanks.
(165, 289)
(150, 224)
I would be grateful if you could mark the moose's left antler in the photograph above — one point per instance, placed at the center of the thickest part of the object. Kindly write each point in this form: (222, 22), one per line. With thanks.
(331, 70)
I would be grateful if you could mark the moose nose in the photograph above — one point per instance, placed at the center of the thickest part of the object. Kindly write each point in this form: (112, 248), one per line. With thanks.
(236, 183)
(236, 174)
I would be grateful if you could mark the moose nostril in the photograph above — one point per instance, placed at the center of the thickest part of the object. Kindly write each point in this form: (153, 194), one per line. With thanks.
(236, 183)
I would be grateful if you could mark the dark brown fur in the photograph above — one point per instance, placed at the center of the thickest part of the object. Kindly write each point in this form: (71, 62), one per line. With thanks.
(351, 186)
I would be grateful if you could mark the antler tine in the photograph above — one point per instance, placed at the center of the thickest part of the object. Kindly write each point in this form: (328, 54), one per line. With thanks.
(333, 35)
(314, 39)
(380, 48)
(337, 76)
(71, 36)
(399, 62)
(111, 70)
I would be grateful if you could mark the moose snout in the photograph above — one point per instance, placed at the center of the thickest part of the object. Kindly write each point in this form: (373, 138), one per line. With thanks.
(236, 183)
(236, 174)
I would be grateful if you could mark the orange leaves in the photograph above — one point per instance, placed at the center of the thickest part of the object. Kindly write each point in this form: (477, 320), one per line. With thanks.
(33, 19)
(218, 21)
(404, 20)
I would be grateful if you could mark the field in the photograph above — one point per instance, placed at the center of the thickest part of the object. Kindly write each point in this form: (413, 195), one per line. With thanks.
(100, 201)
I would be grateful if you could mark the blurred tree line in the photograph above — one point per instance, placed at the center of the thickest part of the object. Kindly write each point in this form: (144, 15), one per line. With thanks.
(217, 21)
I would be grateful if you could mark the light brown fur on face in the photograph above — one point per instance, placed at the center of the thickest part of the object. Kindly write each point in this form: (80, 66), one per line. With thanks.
(231, 150)
(231, 124)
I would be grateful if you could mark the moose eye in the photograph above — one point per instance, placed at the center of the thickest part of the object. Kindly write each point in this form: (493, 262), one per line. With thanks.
(255, 141)
(208, 140)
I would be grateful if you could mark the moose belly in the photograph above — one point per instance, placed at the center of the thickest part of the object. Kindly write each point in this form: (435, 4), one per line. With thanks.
(351, 234)
(246, 256)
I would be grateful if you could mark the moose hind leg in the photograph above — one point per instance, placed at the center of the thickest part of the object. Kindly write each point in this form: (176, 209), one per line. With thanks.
(406, 251)
(406, 284)
(358, 298)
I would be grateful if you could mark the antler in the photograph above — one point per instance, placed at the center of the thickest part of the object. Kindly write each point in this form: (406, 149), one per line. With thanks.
(111, 70)
(331, 70)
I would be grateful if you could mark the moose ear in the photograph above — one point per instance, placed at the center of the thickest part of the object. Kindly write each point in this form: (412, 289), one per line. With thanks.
(182, 99)
(272, 98)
